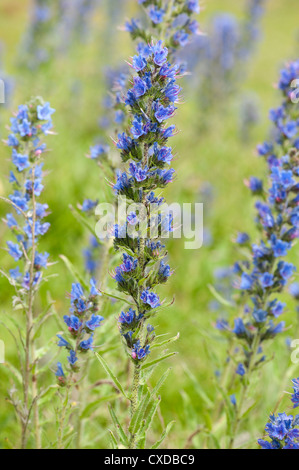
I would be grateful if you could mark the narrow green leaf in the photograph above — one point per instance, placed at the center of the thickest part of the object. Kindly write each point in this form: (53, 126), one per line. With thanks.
(167, 341)
(73, 271)
(160, 383)
(149, 418)
(122, 436)
(116, 297)
(83, 221)
(219, 297)
(91, 407)
(111, 375)
(156, 361)
(164, 435)
(113, 440)
(139, 414)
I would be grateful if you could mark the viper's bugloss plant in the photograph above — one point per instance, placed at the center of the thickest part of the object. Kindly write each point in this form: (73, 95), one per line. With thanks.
(283, 430)
(27, 225)
(265, 273)
(81, 323)
(147, 158)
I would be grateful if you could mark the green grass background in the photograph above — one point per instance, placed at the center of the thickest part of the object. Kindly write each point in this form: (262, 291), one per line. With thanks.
(217, 156)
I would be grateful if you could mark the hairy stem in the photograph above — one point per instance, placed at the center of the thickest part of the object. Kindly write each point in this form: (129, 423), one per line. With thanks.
(134, 401)
(245, 386)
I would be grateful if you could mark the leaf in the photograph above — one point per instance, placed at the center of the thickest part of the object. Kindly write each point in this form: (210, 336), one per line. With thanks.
(7, 367)
(116, 297)
(91, 407)
(202, 394)
(164, 435)
(156, 361)
(219, 297)
(149, 419)
(83, 221)
(139, 413)
(167, 341)
(113, 440)
(111, 375)
(160, 383)
(118, 427)
(73, 271)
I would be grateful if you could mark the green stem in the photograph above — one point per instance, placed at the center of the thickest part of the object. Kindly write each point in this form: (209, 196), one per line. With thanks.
(134, 400)
(29, 343)
(245, 386)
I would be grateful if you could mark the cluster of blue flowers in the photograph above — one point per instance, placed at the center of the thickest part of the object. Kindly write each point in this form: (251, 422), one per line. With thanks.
(283, 430)
(26, 222)
(181, 27)
(150, 102)
(175, 20)
(82, 323)
(277, 218)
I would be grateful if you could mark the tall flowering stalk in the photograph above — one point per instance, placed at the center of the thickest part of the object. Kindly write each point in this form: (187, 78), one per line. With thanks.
(81, 325)
(147, 160)
(265, 273)
(27, 225)
(171, 22)
(283, 430)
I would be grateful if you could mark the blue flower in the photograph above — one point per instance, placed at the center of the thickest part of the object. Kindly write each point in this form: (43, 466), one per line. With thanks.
(87, 344)
(97, 150)
(160, 54)
(138, 172)
(139, 353)
(62, 342)
(193, 5)
(124, 142)
(127, 317)
(280, 248)
(45, 112)
(150, 298)
(11, 221)
(246, 281)
(20, 161)
(156, 14)
(242, 238)
(72, 358)
(239, 328)
(139, 63)
(240, 369)
(140, 87)
(162, 113)
(59, 371)
(73, 323)
(14, 250)
(88, 205)
(40, 260)
(266, 280)
(94, 322)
